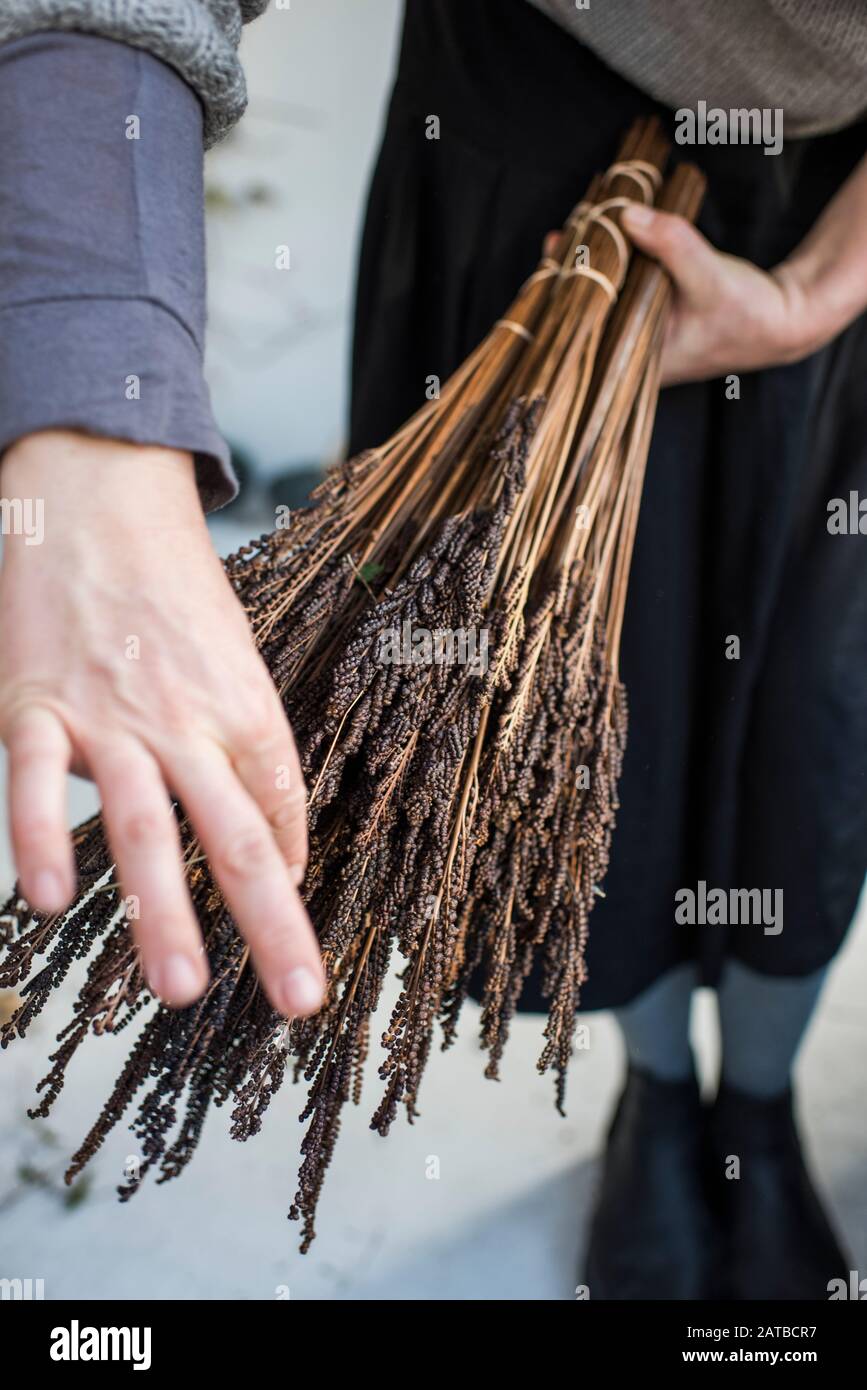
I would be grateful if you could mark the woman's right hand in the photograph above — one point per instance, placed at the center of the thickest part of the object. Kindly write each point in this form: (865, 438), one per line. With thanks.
(126, 657)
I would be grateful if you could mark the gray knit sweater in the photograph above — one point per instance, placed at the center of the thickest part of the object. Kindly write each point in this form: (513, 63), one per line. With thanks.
(199, 38)
(807, 56)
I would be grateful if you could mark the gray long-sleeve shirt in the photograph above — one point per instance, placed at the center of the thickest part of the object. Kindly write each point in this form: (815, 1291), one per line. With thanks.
(102, 276)
(102, 271)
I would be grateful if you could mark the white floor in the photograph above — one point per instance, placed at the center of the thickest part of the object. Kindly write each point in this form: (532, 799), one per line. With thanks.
(504, 1219)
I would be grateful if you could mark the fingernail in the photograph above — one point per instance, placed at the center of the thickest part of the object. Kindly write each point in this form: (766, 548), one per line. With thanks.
(301, 992)
(637, 215)
(179, 980)
(48, 890)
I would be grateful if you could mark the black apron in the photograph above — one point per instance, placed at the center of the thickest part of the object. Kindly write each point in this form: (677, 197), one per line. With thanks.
(746, 773)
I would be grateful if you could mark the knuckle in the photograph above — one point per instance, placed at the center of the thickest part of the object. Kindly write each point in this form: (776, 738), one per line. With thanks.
(32, 832)
(141, 829)
(159, 930)
(275, 942)
(676, 232)
(178, 727)
(258, 724)
(245, 856)
(30, 731)
(260, 734)
(291, 812)
(28, 755)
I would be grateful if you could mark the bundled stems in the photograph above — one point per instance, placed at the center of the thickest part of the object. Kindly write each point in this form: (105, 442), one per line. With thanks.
(463, 792)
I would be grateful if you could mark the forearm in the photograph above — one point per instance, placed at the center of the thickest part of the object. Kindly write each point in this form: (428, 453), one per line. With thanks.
(828, 270)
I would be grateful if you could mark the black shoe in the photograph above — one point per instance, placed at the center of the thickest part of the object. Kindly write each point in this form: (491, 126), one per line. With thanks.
(780, 1241)
(652, 1233)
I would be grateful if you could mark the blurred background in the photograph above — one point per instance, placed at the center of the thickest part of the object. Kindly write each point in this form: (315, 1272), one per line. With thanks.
(500, 1213)
(293, 173)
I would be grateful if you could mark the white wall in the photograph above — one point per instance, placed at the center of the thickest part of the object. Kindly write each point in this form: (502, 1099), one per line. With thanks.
(319, 76)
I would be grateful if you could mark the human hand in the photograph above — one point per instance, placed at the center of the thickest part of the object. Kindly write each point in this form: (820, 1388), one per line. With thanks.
(127, 658)
(727, 314)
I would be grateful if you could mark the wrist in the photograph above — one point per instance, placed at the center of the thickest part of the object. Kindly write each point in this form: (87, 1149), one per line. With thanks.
(92, 478)
(86, 496)
(818, 308)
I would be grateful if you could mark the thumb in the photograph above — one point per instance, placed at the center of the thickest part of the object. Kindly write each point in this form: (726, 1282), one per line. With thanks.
(688, 257)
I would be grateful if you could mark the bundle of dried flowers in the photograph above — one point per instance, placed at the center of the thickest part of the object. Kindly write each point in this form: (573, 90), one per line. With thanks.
(443, 624)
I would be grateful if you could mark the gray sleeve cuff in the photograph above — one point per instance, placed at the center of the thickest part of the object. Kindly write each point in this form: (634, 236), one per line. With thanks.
(102, 264)
(123, 368)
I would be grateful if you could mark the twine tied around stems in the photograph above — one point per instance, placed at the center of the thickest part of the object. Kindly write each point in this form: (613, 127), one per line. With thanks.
(516, 328)
(646, 175)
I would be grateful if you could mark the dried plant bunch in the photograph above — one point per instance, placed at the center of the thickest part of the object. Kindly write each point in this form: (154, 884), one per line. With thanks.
(462, 788)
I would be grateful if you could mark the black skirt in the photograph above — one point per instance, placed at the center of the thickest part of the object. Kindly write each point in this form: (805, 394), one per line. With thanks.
(740, 773)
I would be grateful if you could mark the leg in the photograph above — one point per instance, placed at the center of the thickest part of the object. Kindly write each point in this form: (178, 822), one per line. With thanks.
(655, 1026)
(652, 1233)
(763, 1020)
(780, 1241)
